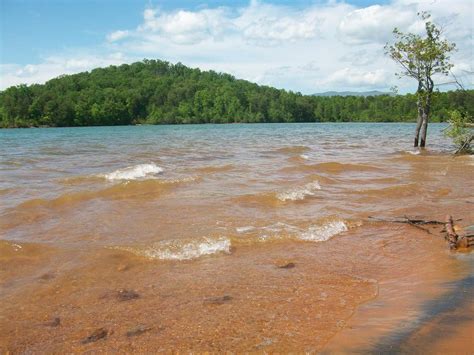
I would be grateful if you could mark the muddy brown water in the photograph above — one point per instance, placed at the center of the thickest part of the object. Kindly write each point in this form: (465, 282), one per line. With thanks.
(141, 239)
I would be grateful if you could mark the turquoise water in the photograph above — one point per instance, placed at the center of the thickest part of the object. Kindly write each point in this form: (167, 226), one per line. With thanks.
(32, 158)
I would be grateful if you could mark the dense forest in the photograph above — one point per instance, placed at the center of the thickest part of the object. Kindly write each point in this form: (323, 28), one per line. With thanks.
(157, 92)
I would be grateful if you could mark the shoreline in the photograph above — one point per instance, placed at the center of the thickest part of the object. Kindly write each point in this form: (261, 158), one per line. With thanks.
(232, 123)
(443, 323)
(121, 270)
(442, 315)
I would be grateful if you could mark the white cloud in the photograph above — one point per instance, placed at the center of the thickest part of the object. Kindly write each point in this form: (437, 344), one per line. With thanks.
(12, 74)
(320, 47)
(376, 23)
(357, 78)
(117, 35)
(184, 27)
(267, 24)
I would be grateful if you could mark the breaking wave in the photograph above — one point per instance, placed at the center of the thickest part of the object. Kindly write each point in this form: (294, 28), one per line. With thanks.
(314, 233)
(135, 172)
(183, 249)
(279, 198)
(188, 249)
(299, 193)
(244, 229)
(324, 232)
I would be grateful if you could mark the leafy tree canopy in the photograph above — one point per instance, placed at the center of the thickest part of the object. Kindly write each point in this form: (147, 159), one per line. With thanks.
(157, 92)
(421, 58)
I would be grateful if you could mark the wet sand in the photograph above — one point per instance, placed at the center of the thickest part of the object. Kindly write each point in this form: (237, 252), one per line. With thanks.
(353, 292)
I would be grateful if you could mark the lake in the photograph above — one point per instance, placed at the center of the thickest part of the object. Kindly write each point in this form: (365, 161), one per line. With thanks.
(249, 237)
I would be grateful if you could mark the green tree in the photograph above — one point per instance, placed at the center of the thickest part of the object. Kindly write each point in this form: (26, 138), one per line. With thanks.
(461, 131)
(157, 92)
(422, 57)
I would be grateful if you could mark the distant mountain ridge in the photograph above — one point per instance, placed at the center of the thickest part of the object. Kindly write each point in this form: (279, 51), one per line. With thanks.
(353, 93)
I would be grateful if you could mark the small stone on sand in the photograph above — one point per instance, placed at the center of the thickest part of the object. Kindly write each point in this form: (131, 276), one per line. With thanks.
(286, 265)
(218, 300)
(55, 322)
(138, 330)
(127, 295)
(98, 334)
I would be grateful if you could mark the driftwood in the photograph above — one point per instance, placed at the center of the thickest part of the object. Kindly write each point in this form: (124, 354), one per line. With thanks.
(407, 220)
(451, 235)
(465, 147)
(455, 241)
(411, 221)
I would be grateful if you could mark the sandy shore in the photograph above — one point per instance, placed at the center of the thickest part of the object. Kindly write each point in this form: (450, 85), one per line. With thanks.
(355, 292)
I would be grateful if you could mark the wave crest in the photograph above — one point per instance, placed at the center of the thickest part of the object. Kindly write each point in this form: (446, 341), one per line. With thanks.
(320, 232)
(323, 232)
(135, 172)
(189, 249)
(299, 193)
(184, 249)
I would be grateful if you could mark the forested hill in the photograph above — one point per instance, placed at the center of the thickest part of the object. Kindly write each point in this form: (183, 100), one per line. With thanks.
(157, 92)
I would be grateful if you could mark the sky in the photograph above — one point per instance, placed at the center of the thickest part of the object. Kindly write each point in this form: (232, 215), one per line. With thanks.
(307, 46)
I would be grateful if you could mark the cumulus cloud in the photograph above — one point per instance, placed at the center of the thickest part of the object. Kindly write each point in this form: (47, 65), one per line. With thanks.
(319, 47)
(185, 27)
(375, 23)
(353, 77)
(270, 25)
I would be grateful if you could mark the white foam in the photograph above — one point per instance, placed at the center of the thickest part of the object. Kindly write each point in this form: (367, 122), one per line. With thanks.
(189, 249)
(299, 193)
(16, 247)
(244, 229)
(413, 152)
(304, 156)
(324, 232)
(280, 227)
(135, 172)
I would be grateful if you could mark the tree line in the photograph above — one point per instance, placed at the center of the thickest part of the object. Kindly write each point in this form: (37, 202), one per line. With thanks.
(157, 92)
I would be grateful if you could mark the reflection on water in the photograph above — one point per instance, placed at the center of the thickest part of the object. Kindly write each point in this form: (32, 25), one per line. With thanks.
(268, 222)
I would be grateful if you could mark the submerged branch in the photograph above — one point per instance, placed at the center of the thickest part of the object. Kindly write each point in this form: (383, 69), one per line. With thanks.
(406, 220)
(455, 241)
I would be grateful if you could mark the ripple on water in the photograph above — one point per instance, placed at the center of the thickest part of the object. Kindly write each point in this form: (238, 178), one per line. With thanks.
(330, 168)
(193, 248)
(293, 150)
(135, 172)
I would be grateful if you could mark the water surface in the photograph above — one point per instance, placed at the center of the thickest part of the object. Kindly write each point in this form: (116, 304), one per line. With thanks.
(199, 219)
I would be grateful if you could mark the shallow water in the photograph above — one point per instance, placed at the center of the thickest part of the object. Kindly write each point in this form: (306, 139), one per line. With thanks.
(198, 219)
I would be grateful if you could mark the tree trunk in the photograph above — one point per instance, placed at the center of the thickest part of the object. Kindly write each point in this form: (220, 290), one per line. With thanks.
(426, 115)
(424, 129)
(419, 119)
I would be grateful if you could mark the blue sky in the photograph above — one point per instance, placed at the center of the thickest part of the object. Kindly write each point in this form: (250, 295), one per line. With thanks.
(301, 45)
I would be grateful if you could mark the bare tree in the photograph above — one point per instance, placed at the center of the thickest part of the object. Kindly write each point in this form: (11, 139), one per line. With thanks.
(422, 57)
